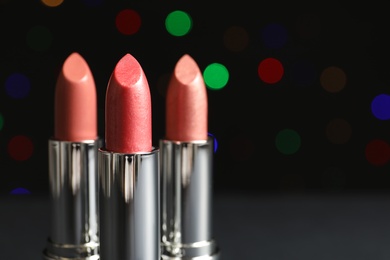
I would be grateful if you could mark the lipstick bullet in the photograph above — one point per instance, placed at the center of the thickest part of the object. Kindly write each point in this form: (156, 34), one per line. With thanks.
(186, 168)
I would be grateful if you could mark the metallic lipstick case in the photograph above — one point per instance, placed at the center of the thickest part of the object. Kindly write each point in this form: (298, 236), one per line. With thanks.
(129, 206)
(186, 201)
(74, 201)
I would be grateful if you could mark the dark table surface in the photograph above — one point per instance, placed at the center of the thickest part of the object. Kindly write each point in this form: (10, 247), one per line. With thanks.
(265, 226)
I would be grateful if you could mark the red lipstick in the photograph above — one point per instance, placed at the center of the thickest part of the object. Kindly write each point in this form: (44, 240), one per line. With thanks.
(128, 109)
(73, 165)
(186, 168)
(129, 196)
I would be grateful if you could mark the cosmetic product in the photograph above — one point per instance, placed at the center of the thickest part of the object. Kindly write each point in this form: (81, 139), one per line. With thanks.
(129, 197)
(186, 168)
(73, 179)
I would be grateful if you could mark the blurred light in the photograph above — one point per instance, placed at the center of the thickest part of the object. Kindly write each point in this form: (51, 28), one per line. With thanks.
(236, 38)
(380, 106)
(333, 79)
(178, 23)
(128, 21)
(216, 76)
(338, 131)
(302, 73)
(288, 141)
(377, 152)
(20, 148)
(20, 191)
(215, 142)
(17, 85)
(39, 38)
(270, 70)
(52, 3)
(1, 121)
(274, 36)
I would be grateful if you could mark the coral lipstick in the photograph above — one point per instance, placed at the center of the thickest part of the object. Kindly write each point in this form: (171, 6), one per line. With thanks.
(186, 168)
(129, 198)
(186, 103)
(75, 111)
(73, 165)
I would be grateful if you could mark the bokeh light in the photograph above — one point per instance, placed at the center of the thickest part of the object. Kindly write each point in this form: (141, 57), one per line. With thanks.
(20, 148)
(20, 191)
(302, 73)
(333, 79)
(338, 131)
(178, 23)
(17, 85)
(274, 36)
(270, 70)
(1, 121)
(215, 142)
(235, 38)
(52, 3)
(377, 152)
(380, 106)
(216, 76)
(128, 21)
(39, 38)
(288, 141)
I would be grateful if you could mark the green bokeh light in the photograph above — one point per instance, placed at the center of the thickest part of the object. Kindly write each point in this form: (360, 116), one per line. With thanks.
(39, 38)
(288, 141)
(178, 23)
(1, 121)
(216, 76)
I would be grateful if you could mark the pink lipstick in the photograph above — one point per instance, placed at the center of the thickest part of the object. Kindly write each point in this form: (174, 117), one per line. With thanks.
(73, 165)
(129, 198)
(186, 168)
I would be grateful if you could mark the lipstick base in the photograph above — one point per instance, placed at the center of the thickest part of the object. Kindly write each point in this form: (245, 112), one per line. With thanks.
(195, 251)
(88, 251)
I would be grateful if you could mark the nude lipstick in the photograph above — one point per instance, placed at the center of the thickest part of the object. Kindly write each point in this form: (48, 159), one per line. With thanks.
(129, 198)
(186, 168)
(73, 178)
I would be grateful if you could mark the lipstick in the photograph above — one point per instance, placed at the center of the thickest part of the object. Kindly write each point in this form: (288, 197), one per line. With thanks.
(186, 168)
(129, 198)
(73, 179)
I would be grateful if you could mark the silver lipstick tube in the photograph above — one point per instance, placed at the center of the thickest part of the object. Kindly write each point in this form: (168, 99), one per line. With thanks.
(129, 206)
(186, 201)
(73, 183)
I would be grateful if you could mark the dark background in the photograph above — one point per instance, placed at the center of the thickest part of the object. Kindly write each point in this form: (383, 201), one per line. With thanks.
(244, 116)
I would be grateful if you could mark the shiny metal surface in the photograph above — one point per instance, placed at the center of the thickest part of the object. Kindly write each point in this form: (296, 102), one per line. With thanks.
(129, 206)
(186, 200)
(74, 232)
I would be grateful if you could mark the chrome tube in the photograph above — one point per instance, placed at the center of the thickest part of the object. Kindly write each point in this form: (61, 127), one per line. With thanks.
(186, 200)
(73, 185)
(129, 206)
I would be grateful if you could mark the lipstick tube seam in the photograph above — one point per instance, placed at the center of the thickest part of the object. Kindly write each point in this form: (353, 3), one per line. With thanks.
(186, 200)
(129, 205)
(73, 187)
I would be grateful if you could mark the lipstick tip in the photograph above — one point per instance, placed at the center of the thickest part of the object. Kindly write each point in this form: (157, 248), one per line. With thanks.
(127, 71)
(186, 103)
(186, 69)
(75, 68)
(75, 101)
(128, 109)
